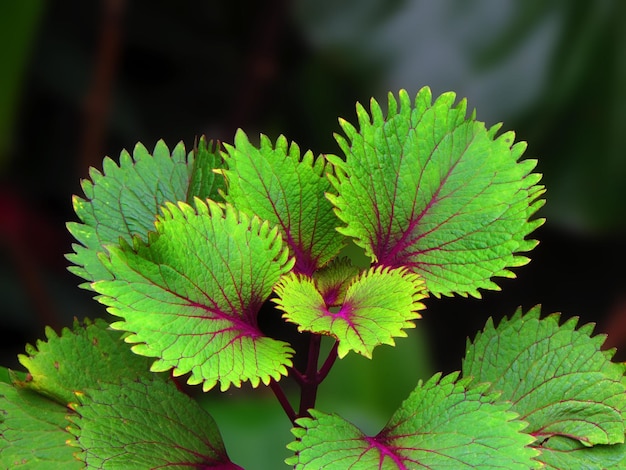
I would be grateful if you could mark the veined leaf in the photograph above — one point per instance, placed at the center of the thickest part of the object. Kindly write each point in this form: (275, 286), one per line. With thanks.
(146, 424)
(556, 377)
(431, 190)
(123, 201)
(33, 432)
(333, 280)
(276, 184)
(560, 452)
(191, 295)
(79, 359)
(442, 424)
(377, 306)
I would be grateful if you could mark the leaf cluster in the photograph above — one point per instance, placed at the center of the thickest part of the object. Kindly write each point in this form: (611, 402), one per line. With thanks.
(186, 250)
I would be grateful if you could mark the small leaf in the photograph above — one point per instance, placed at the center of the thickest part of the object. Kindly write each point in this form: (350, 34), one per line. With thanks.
(431, 190)
(32, 432)
(78, 360)
(146, 424)
(556, 377)
(206, 182)
(378, 305)
(123, 201)
(276, 184)
(442, 424)
(333, 280)
(191, 295)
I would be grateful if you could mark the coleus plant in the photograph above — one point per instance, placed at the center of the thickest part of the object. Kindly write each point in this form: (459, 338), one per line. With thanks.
(186, 248)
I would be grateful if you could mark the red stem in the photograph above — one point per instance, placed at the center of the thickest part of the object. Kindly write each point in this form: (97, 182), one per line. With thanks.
(311, 382)
(328, 363)
(284, 402)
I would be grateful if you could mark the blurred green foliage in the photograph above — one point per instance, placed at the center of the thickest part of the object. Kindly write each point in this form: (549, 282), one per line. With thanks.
(18, 27)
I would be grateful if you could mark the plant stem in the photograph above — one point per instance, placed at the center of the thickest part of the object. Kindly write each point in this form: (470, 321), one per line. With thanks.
(310, 383)
(328, 363)
(284, 402)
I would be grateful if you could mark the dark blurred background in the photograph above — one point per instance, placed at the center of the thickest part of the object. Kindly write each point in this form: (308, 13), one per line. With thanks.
(81, 80)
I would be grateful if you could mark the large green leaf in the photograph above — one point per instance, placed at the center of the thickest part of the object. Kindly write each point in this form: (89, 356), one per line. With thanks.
(191, 295)
(79, 359)
(276, 184)
(124, 200)
(376, 307)
(557, 378)
(431, 190)
(442, 424)
(146, 424)
(33, 432)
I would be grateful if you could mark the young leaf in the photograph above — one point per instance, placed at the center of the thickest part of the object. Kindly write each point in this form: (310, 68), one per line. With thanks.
(442, 424)
(556, 377)
(32, 432)
(124, 200)
(377, 306)
(431, 190)
(146, 424)
(191, 295)
(276, 184)
(333, 280)
(78, 360)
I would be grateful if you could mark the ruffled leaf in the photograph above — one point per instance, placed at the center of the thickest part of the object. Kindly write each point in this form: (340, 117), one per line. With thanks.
(556, 377)
(79, 359)
(377, 306)
(146, 424)
(123, 201)
(443, 424)
(276, 184)
(191, 295)
(33, 432)
(431, 190)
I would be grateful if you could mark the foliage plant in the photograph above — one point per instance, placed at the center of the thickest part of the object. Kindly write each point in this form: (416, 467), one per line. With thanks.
(190, 250)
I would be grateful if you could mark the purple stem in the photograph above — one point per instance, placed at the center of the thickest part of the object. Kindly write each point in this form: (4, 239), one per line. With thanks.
(284, 402)
(310, 383)
(328, 363)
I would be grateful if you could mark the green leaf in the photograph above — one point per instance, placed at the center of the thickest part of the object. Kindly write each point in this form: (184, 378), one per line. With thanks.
(276, 184)
(124, 200)
(556, 377)
(431, 190)
(560, 452)
(146, 424)
(333, 280)
(191, 295)
(79, 359)
(377, 306)
(33, 432)
(442, 424)
(206, 181)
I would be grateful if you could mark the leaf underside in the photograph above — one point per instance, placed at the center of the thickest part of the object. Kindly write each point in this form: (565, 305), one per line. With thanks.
(443, 424)
(428, 189)
(376, 307)
(128, 417)
(32, 432)
(559, 381)
(146, 424)
(190, 296)
(275, 183)
(123, 200)
(78, 359)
